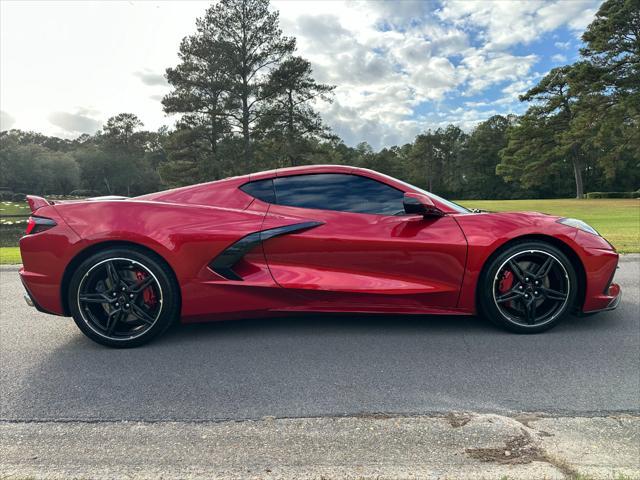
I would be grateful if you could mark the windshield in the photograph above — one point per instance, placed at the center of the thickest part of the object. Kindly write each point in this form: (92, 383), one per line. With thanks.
(449, 203)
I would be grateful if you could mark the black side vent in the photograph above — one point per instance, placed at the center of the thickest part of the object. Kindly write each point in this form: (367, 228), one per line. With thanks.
(224, 262)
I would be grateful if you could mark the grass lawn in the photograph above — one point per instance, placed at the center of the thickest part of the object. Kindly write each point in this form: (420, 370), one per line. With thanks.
(618, 220)
(14, 208)
(10, 255)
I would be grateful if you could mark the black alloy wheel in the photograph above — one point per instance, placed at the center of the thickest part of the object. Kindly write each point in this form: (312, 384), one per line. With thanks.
(122, 297)
(528, 288)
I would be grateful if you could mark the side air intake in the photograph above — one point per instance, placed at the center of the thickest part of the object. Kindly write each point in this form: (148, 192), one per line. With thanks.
(223, 263)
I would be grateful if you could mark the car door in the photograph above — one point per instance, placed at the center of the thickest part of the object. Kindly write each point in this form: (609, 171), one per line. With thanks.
(364, 253)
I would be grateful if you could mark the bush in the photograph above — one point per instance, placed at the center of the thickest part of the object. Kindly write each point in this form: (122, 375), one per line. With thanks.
(9, 196)
(635, 194)
(85, 193)
(10, 233)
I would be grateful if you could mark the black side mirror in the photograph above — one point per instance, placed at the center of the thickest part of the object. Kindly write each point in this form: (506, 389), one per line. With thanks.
(418, 204)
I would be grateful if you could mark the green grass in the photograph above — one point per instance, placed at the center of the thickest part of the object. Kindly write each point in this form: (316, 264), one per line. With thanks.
(12, 228)
(10, 255)
(14, 208)
(618, 220)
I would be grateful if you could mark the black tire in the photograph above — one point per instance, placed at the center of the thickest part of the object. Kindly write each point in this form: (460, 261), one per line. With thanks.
(530, 302)
(127, 308)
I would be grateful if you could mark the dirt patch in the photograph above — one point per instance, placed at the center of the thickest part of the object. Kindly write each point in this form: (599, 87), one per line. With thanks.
(526, 419)
(517, 450)
(520, 450)
(457, 420)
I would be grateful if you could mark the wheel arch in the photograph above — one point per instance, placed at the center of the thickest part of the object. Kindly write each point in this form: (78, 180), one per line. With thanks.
(97, 247)
(560, 245)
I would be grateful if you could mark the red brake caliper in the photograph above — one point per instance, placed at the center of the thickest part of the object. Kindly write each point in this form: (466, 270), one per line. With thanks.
(148, 295)
(506, 282)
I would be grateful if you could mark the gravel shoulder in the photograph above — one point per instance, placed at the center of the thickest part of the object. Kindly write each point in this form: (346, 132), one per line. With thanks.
(454, 446)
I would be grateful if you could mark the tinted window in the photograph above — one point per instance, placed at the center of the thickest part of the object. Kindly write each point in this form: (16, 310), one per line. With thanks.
(261, 189)
(335, 191)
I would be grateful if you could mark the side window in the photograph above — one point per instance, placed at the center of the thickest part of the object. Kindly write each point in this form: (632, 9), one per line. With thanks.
(260, 189)
(336, 191)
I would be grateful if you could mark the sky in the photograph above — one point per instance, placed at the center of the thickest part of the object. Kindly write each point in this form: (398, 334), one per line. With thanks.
(400, 67)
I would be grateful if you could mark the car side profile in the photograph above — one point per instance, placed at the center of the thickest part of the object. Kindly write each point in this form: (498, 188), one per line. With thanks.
(305, 239)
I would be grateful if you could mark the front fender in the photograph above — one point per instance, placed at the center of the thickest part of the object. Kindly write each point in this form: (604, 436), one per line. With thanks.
(487, 233)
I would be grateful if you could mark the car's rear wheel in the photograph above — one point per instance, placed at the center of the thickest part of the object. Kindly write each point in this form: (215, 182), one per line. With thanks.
(123, 297)
(528, 288)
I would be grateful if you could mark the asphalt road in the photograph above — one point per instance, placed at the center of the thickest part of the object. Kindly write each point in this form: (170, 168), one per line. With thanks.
(320, 365)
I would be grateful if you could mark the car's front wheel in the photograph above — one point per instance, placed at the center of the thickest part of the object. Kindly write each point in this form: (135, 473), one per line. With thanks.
(123, 297)
(528, 288)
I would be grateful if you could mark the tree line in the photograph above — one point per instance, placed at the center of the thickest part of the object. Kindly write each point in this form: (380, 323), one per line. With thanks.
(247, 102)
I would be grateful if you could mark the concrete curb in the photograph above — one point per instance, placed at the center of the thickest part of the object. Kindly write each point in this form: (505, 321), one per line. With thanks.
(10, 268)
(458, 445)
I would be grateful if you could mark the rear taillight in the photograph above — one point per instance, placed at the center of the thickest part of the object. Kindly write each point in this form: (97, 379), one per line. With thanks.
(38, 224)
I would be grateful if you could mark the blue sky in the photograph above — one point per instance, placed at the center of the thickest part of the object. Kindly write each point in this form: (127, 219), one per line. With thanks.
(549, 49)
(400, 67)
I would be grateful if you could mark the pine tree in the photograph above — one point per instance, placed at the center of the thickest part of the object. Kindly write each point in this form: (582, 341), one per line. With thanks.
(288, 115)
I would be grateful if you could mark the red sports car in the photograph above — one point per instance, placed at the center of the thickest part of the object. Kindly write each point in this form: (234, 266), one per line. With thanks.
(307, 239)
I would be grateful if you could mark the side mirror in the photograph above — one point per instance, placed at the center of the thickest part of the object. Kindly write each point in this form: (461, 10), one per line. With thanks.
(418, 204)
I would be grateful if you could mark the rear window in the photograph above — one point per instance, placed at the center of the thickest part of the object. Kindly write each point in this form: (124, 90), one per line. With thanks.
(260, 189)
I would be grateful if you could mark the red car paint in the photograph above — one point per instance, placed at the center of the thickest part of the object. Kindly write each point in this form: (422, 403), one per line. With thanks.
(351, 262)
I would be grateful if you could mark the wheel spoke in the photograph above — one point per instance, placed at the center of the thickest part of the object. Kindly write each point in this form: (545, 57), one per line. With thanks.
(554, 294)
(142, 315)
(530, 311)
(545, 268)
(517, 271)
(142, 284)
(112, 320)
(94, 298)
(112, 273)
(510, 295)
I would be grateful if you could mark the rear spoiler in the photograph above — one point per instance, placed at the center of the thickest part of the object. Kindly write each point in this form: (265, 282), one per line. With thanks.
(36, 202)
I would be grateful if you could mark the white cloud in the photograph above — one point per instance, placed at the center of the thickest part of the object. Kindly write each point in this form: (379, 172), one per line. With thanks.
(512, 92)
(6, 121)
(396, 64)
(382, 77)
(481, 104)
(485, 69)
(465, 118)
(73, 124)
(562, 45)
(421, 55)
(149, 77)
(506, 23)
(580, 22)
(55, 56)
(347, 122)
(510, 96)
(559, 58)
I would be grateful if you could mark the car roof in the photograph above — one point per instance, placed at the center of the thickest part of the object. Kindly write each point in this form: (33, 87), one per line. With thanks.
(301, 170)
(226, 189)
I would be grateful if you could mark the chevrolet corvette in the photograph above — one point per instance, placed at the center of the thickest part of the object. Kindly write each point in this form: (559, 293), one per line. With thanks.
(305, 239)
